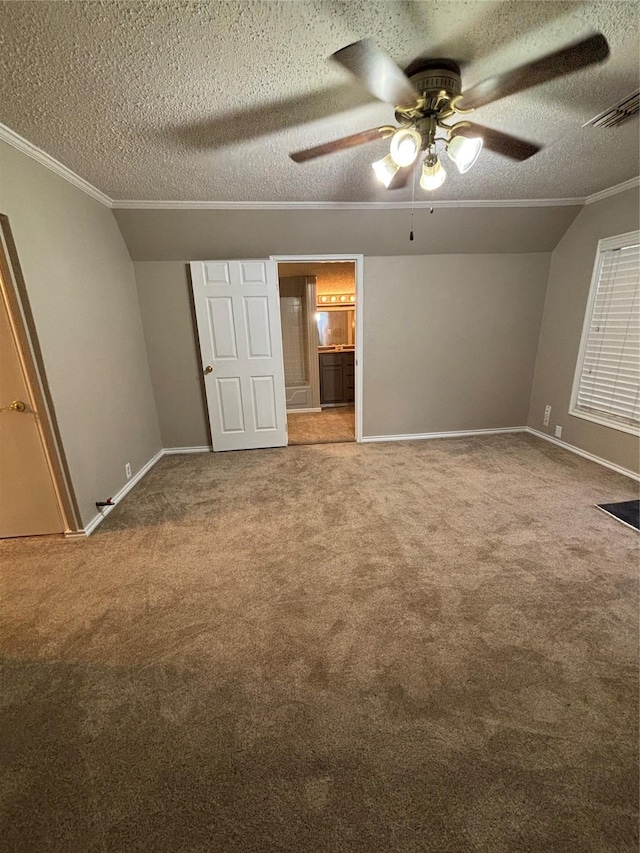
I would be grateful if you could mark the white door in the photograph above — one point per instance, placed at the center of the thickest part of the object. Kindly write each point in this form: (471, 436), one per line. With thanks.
(238, 315)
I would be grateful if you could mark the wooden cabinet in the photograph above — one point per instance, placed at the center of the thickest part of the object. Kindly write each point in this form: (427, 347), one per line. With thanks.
(337, 377)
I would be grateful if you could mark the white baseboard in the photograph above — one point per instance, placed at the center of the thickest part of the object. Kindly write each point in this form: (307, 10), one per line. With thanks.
(419, 436)
(303, 411)
(205, 448)
(167, 451)
(104, 512)
(590, 456)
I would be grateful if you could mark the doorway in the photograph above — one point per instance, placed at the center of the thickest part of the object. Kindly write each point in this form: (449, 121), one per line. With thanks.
(321, 311)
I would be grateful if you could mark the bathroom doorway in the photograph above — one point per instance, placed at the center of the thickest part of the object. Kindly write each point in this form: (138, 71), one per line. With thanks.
(320, 306)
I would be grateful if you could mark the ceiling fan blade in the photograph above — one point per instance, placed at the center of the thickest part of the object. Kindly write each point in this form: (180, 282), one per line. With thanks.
(378, 72)
(571, 58)
(340, 144)
(501, 143)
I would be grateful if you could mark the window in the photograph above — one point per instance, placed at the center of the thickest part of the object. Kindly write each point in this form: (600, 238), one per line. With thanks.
(606, 387)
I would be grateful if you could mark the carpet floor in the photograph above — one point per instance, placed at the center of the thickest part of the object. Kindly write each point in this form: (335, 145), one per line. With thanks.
(330, 425)
(342, 648)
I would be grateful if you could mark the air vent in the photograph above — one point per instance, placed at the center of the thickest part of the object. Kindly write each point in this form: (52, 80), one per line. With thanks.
(620, 112)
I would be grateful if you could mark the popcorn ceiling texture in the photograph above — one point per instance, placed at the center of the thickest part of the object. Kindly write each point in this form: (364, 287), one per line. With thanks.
(204, 101)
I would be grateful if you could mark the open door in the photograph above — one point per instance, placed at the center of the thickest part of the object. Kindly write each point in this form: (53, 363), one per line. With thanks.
(28, 500)
(238, 316)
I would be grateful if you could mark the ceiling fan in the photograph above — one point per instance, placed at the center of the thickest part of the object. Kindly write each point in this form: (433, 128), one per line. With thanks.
(428, 93)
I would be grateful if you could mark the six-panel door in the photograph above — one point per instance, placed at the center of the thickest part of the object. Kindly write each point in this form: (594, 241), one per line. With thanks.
(238, 315)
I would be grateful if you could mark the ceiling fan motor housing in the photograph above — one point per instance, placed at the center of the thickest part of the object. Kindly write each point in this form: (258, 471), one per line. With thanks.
(431, 76)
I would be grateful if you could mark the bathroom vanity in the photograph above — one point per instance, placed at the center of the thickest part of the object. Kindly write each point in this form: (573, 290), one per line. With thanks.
(337, 372)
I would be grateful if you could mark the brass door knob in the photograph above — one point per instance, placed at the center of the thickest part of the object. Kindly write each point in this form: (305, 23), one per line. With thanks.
(208, 369)
(17, 406)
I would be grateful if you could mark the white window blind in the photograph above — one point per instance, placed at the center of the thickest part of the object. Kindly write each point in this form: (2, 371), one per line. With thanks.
(609, 375)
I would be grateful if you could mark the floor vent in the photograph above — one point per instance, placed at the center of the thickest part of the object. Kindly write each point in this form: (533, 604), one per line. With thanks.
(620, 112)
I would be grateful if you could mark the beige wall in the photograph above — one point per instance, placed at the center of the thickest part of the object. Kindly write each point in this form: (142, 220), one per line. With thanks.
(82, 293)
(450, 341)
(566, 301)
(198, 235)
(164, 291)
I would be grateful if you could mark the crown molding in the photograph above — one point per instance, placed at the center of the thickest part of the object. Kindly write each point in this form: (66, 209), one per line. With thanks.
(145, 204)
(21, 144)
(619, 188)
(16, 141)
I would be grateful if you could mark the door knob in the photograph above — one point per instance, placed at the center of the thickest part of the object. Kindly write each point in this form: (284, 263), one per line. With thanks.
(208, 369)
(17, 406)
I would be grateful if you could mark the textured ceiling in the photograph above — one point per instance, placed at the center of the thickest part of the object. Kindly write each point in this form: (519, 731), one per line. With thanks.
(204, 101)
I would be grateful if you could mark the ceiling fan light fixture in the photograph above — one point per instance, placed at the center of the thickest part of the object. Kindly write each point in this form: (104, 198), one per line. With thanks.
(405, 146)
(433, 174)
(385, 169)
(464, 151)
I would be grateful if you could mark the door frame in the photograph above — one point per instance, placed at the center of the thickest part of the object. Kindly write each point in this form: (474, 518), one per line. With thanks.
(13, 292)
(359, 262)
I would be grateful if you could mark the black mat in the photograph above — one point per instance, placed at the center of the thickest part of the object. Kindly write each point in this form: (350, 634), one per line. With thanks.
(628, 512)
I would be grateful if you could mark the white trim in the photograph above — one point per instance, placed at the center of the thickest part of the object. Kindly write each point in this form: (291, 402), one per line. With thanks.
(104, 512)
(359, 363)
(204, 448)
(16, 141)
(359, 262)
(166, 204)
(618, 188)
(304, 411)
(144, 204)
(168, 451)
(590, 456)
(619, 241)
(419, 436)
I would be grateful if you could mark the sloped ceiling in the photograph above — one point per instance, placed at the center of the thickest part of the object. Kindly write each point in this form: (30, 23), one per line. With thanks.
(204, 101)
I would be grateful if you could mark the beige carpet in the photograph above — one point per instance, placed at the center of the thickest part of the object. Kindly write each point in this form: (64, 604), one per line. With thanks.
(330, 425)
(343, 648)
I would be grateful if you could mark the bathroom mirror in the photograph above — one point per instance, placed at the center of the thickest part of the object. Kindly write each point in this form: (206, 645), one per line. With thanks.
(336, 327)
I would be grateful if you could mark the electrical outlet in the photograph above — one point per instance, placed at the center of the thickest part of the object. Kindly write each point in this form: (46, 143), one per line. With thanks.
(547, 415)
(127, 470)
(558, 431)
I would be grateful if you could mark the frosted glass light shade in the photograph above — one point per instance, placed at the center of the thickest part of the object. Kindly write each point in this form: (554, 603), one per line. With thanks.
(464, 152)
(385, 170)
(433, 175)
(405, 146)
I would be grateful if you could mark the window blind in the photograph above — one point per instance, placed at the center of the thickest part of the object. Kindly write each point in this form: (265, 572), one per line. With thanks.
(610, 378)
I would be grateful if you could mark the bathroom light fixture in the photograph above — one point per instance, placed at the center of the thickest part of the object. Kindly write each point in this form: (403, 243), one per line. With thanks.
(464, 151)
(336, 300)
